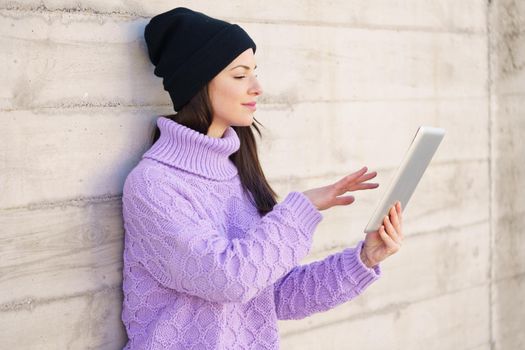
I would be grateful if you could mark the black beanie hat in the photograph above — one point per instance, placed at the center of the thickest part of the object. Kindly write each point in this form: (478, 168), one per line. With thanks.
(189, 49)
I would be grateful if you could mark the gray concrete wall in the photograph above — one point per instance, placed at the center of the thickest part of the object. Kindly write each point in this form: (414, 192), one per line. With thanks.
(346, 84)
(507, 122)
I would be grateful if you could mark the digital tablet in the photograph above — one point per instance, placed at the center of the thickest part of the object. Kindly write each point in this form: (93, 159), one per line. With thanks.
(404, 182)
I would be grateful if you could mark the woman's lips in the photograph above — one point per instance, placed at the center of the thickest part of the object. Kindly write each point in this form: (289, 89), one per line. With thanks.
(251, 106)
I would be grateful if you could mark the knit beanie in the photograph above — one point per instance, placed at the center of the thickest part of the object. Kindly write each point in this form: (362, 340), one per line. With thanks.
(189, 48)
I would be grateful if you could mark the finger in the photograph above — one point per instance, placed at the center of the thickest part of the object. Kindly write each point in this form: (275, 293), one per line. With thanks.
(391, 245)
(391, 230)
(352, 183)
(366, 186)
(359, 172)
(344, 200)
(364, 169)
(352, 176)
(394, 219)
(342, 185)
(366, 177)
(400, 213)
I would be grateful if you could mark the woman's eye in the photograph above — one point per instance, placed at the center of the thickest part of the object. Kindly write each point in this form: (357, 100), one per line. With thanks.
(244, 76)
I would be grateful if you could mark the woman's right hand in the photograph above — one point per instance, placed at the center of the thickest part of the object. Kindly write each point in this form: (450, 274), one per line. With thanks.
(327, 196)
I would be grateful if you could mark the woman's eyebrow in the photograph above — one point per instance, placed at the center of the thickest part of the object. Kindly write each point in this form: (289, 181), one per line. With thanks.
(243, 66)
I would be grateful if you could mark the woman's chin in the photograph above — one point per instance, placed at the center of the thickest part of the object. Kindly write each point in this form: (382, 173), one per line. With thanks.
(247, 121)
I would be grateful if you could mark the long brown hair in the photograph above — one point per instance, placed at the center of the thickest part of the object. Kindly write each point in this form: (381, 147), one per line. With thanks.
(197, 115)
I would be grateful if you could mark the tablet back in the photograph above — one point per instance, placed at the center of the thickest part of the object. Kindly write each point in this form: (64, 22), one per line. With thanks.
(407, 176)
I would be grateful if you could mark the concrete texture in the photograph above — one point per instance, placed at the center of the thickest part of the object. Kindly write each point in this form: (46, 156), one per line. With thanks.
(507, 29)
(346, 84)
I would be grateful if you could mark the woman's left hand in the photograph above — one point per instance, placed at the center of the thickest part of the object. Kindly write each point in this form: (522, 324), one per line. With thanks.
(386, 241)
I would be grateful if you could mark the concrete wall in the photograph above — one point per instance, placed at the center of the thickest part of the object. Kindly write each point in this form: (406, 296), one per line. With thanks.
(346, 84)
(507, 122)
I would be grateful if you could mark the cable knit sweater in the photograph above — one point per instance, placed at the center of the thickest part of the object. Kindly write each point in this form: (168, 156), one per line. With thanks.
(202, 269)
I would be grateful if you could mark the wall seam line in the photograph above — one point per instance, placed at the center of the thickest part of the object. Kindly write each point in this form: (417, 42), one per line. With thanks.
(490, 96)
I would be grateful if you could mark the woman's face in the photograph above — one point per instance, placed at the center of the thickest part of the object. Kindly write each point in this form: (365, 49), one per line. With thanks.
(231, 91)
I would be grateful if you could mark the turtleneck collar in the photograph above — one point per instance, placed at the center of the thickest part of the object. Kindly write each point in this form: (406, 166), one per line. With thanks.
(189, 150)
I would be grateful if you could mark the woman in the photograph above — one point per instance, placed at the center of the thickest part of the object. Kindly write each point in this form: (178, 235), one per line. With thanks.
(211, 260)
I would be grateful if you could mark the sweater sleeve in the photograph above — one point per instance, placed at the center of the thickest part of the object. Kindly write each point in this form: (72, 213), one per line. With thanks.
(322, 285)
(186, 252)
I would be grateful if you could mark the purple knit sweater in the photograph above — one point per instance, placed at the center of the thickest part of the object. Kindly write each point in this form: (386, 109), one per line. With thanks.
(202, 269)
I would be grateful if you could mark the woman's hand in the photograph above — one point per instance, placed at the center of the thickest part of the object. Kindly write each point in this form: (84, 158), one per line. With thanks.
(327, 196)
(382, 243)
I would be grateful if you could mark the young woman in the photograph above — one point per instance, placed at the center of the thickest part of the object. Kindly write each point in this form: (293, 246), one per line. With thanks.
(211, 260)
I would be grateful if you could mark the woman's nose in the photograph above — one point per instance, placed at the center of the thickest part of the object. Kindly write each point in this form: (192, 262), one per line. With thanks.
(256, 87)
